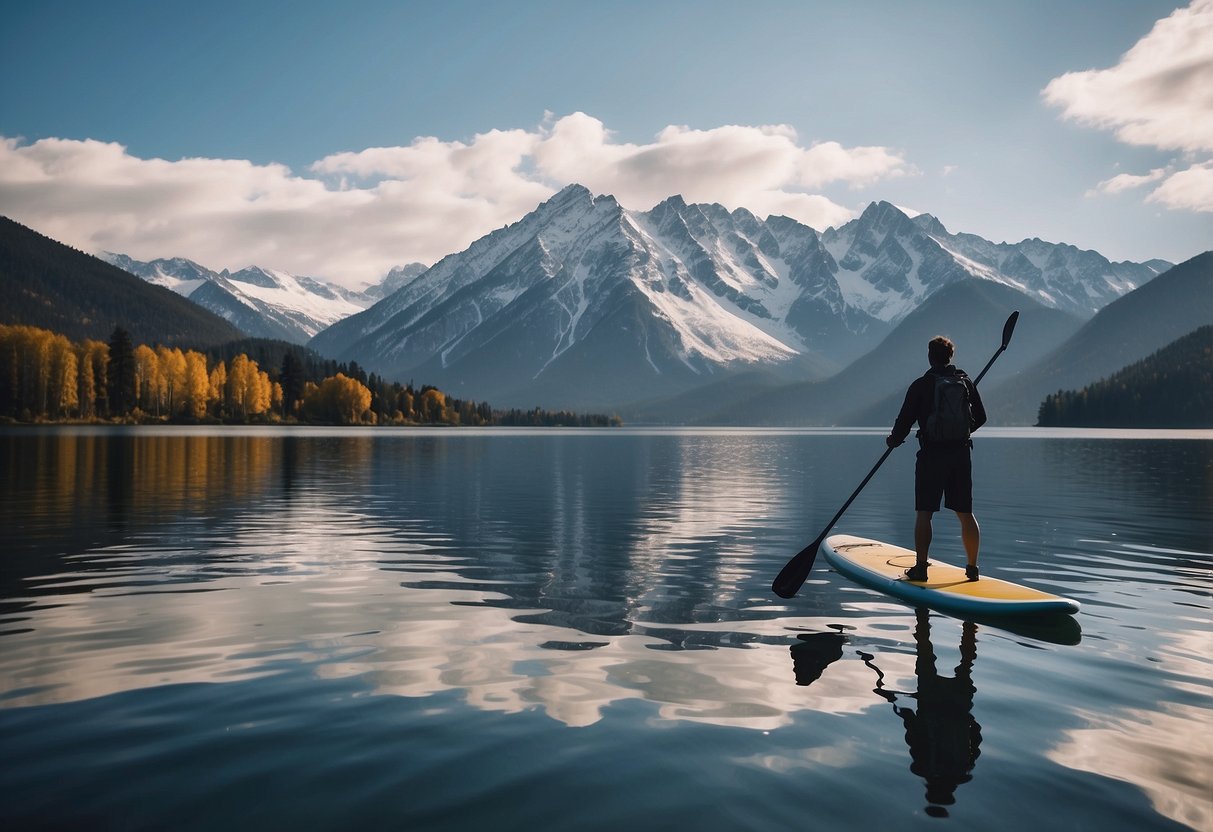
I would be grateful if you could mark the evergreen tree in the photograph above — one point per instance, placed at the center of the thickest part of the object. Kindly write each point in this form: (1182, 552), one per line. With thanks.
(357, 373)
(1172, 388)
(121, 372)
(292, 380)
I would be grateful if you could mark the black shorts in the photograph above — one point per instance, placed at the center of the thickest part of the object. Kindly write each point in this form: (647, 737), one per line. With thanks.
(946, 473)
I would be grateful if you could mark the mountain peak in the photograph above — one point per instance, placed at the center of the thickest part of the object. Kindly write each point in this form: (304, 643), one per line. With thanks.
(570, 194)
(675, 203)
(256, 276)
(574, 197)
(930, 224)
(881, 212)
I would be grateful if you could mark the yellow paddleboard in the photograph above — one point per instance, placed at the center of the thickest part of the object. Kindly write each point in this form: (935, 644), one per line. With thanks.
(882, 566)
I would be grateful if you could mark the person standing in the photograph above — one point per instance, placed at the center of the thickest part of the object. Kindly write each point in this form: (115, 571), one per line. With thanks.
(945, 404)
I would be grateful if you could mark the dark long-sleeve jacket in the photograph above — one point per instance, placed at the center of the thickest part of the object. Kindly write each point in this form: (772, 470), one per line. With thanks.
(920, 401)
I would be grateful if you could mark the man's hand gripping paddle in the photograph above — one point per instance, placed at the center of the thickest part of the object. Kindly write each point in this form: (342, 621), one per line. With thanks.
(792, 577)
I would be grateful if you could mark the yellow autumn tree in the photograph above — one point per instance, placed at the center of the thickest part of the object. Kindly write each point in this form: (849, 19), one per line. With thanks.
(197, 385)
(338, 399)
(216, 394)
(248, 389)
(40, 375)
(63, 377)
(38, 368)
(92, 359)
(234, 395)
(149, 383)
(433, 408)
(262, 398)
(172, 371)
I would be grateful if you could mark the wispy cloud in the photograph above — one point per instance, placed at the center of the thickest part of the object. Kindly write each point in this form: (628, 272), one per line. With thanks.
(351, 216)
(1127, 182)
(1160, 95)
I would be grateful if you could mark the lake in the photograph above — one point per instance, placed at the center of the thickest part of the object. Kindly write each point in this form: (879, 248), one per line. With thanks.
(574, 630)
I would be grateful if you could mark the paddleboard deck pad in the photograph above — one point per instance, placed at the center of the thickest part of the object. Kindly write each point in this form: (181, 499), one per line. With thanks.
(882, 566)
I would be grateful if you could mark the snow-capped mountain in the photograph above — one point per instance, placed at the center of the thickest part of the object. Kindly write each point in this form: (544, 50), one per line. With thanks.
(584, 303)
(889, 263)
(261, 302)
(396, 279)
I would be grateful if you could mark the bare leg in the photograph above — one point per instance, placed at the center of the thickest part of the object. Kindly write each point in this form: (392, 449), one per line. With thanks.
(970, 534)
(922, 537)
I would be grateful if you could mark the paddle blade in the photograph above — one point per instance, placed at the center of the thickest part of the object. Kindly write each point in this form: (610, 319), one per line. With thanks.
(794, 573)
(1009, 328)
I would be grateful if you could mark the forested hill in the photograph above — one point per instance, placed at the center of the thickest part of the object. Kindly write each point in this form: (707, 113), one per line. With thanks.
(1127, 330)
(44, 283)
(1172, 388)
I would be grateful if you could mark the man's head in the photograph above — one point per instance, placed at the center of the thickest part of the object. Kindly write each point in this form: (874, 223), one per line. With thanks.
(940, 351)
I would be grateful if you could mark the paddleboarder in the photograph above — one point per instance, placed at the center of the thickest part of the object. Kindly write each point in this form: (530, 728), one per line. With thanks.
(947, 407)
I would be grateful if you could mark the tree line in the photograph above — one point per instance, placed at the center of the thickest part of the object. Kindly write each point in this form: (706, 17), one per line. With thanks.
(1172, 388)
(45, 376)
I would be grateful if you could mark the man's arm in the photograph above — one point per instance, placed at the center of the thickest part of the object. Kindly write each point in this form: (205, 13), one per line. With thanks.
(976, 408)
(905, 419)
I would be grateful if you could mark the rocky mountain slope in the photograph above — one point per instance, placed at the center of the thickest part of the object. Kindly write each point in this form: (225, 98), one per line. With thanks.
(47, 284)
(260, 302)
(584, 303)
(1125, 331)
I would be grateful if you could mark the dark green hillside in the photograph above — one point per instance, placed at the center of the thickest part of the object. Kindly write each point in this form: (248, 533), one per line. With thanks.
(47, 284)
(870, 390)
(1145, 320)
(1172, 388)
(268, 353)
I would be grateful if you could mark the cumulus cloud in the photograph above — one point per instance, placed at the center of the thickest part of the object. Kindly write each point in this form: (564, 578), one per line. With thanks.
(351, 216)
(1159, 95)
(1190, 189)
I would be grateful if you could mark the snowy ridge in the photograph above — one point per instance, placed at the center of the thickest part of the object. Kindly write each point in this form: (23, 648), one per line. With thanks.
(262, 302)
(582, 300)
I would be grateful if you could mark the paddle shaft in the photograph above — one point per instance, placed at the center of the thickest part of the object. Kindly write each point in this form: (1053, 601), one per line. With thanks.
(793, 575)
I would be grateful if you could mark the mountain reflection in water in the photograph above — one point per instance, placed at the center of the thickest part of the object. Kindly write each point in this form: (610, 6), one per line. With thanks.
(611, 581)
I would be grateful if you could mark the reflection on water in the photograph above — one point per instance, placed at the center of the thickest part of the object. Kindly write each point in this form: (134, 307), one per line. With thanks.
(943, 737)
(617, 580)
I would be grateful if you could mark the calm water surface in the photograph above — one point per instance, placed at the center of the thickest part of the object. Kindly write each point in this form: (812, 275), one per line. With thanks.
(280, 629)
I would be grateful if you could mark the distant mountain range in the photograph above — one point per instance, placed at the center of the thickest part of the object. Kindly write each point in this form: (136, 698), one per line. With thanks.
(583, 303)
(46, 284)
(1050, 350)
(681, 314)
(262, 302)
(870, 390)
(1125, 331)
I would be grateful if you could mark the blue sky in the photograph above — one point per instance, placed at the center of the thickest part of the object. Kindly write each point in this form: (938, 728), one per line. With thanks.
(806, 108)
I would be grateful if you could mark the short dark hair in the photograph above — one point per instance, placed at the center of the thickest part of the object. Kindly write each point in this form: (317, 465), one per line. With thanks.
(940, 351)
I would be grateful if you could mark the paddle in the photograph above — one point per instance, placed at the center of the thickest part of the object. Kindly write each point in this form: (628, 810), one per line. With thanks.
(793, 575)
(1007, 329)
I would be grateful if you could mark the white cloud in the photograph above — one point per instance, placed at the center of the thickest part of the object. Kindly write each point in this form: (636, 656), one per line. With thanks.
(353, 215)
(1159, 95)
(1190, 189)
(1127, 181)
